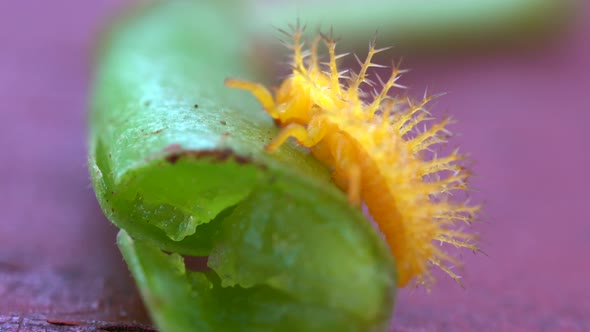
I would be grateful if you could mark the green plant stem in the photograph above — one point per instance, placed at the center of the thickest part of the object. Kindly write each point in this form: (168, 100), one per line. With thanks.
(177, 162)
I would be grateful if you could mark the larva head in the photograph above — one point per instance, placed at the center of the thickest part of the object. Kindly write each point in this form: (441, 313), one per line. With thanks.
(307, 90)
(293, 102)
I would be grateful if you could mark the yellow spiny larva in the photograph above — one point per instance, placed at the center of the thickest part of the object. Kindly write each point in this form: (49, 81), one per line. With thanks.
(375, 153)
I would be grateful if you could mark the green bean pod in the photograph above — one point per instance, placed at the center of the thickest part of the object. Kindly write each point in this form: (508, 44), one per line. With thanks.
(177, 161)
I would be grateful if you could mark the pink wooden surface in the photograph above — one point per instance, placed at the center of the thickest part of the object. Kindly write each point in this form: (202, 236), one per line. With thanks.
(522, 117)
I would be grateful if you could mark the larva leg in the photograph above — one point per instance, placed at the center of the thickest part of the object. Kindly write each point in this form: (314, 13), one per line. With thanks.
(308, 136)
(354, 185)
(346, 158)
(258, 90)
(295, 130)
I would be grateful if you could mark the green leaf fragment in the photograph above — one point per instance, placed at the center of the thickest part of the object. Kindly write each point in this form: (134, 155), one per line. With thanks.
(196, 301)
(299, 243)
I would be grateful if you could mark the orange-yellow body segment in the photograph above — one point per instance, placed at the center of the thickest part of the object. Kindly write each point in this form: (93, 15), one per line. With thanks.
(376, 155)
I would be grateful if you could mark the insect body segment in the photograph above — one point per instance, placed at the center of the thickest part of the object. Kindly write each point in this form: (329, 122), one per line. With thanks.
(376, 154)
